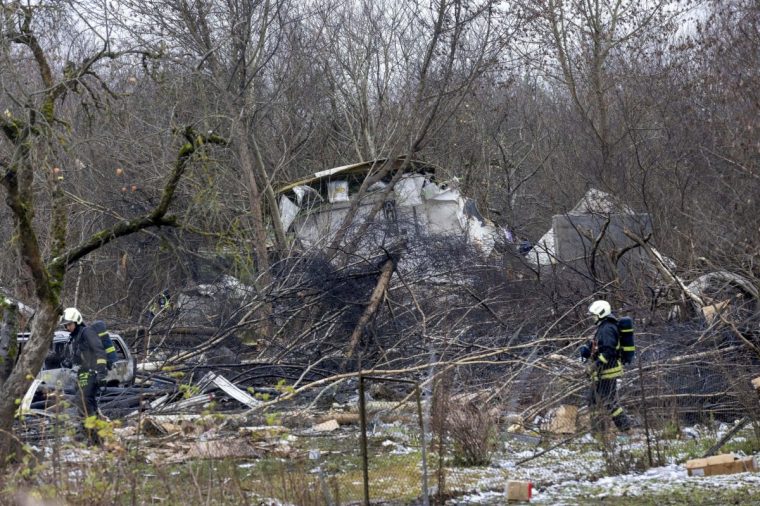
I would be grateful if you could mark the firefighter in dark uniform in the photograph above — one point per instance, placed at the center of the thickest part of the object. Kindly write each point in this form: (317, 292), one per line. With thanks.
(606, 366)
(88, 353)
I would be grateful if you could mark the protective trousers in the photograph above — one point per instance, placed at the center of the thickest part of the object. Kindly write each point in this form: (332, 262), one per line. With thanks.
(87, 402)
(604, 396)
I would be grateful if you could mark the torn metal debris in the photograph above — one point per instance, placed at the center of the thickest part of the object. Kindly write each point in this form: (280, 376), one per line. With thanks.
(418, 205)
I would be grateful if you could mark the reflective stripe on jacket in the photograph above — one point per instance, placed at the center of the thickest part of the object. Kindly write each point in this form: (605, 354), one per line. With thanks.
(100, 328)
(88, 350)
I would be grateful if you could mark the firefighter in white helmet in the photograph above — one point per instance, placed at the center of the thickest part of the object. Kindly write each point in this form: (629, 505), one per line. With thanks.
(603, 351)
(87, 353)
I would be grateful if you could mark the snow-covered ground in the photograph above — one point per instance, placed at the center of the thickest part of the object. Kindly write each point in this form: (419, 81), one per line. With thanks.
(655, 481)
(577, 474)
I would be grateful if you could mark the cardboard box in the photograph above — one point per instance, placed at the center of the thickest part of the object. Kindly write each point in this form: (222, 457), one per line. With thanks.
(518, 490)
(727, 463)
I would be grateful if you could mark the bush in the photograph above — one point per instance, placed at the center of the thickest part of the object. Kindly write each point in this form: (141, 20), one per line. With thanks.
(473, 432)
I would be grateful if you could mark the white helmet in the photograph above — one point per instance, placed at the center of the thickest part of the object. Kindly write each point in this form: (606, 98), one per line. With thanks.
(70, 315)
(600, 309)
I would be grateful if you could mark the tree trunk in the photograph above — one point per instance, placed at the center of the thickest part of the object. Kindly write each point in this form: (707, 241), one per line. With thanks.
(8, 341)
(374, 301)
(264, 278)
(14, 388)
(254, 202)
(274, 209)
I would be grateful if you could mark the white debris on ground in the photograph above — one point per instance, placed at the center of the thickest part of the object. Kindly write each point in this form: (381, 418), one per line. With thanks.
(397, 449)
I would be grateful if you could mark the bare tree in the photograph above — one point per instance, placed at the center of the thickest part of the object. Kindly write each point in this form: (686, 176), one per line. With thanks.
(401, 78)
(228, 48)
(34, 161)
(584, 46)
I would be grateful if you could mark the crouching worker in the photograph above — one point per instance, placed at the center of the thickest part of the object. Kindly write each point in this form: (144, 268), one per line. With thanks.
(87, 353)
(603, 352)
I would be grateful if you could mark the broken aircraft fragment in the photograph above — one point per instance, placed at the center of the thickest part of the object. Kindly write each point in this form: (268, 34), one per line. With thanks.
(312, 209)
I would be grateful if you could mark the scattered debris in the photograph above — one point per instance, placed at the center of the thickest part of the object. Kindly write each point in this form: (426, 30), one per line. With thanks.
(152, 428)
(561, 420)
(222, 449)
(709, 312)
(263, 433)
(418, 204)
(727, 436)
(327, 426)
(341, 418)
(227, 387)
(740, 424)
(717, 281)
(721, 464)
(598, 216)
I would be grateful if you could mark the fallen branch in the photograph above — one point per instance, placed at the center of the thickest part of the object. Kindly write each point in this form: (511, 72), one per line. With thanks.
(727, 437)
(386, 272)
(661, 265)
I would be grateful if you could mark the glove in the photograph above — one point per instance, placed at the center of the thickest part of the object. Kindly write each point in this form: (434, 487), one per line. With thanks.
(83, 378)
(585, 352)
(101, 377)
(66, 363)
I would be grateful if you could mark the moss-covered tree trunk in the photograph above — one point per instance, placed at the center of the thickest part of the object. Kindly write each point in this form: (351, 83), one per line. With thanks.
(8, 341)
(22, 374)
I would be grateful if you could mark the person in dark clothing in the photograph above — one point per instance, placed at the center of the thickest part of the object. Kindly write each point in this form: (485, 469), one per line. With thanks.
(604, 353)
(87, 353)
(99, 327)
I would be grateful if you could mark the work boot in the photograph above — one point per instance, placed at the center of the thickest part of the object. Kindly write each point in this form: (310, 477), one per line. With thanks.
(93, 438)
(622, 423)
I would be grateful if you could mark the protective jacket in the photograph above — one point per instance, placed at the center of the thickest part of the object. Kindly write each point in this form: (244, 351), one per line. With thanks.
(99, 327)
(606, 349)
(88, 351)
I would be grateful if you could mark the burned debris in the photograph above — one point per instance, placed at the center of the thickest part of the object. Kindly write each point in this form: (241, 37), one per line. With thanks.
(233, 370)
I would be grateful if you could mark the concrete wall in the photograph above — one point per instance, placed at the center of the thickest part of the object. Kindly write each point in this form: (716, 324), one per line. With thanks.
(573, 245)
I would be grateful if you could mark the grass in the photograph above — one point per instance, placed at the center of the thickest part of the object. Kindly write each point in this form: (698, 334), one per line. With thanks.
(118, 478)
(125, 478)
(748, 446)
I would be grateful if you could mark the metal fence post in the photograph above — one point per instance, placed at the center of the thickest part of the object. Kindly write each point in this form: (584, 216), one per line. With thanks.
(363, 424)
(423, 444)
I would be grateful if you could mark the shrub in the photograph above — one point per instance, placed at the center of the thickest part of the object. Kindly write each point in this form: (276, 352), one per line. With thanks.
(473, 432)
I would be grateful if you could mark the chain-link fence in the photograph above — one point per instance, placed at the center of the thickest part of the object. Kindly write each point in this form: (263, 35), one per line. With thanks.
(382, 458)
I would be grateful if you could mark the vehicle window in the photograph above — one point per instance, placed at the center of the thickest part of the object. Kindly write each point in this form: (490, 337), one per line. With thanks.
(120, 353)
